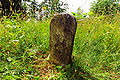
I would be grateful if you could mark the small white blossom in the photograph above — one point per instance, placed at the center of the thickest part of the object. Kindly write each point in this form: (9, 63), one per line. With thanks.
(13, 27)
(15, 40)
(21, 36)
(7, 25)
(28, 20)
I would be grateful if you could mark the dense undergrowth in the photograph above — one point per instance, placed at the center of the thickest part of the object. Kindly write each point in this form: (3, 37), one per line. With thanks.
(97, 46)
(96, 49)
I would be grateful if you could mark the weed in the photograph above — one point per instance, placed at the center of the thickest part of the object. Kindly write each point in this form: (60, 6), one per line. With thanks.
(24, 45)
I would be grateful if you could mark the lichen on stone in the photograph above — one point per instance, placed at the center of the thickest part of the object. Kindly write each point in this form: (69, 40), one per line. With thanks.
(62, 33)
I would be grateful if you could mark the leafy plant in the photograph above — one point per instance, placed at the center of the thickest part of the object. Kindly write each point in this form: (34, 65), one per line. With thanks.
(24, 45)
(105, 7)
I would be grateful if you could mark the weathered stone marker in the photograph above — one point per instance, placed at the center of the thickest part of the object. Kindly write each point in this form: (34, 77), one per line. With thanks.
(62, 33)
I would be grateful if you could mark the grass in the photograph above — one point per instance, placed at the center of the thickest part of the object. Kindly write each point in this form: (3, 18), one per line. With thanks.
(20, 43)
(24, 46)
(97, 47)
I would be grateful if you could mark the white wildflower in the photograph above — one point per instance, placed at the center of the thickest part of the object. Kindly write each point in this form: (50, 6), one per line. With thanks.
(13, 26)
(21, 36)
(7, 25)
(28, 20)
(15, 40)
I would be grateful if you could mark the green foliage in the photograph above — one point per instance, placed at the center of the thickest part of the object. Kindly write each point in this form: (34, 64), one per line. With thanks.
(105, 7)
(34, 9)
(79, 14)
(51, 7)
(46, 8)
(97, 46)
(95, 53)
(19, 45)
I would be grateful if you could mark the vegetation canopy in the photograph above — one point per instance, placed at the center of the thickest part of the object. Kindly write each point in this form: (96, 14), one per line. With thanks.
(105, 7)
(31, 8)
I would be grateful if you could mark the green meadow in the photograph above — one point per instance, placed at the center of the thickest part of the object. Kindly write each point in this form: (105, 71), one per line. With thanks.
(24, 46)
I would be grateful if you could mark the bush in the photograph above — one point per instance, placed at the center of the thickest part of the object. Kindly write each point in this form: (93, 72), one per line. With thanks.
(105, 7)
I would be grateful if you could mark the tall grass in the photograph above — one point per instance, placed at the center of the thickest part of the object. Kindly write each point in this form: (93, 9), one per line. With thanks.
(20, 42)
(96, 46)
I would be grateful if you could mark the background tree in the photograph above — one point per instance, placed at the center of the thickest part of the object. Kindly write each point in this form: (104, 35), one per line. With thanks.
(46, 8)
(5, 7)
(50, 7)
(105, 7)
(10, 6)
